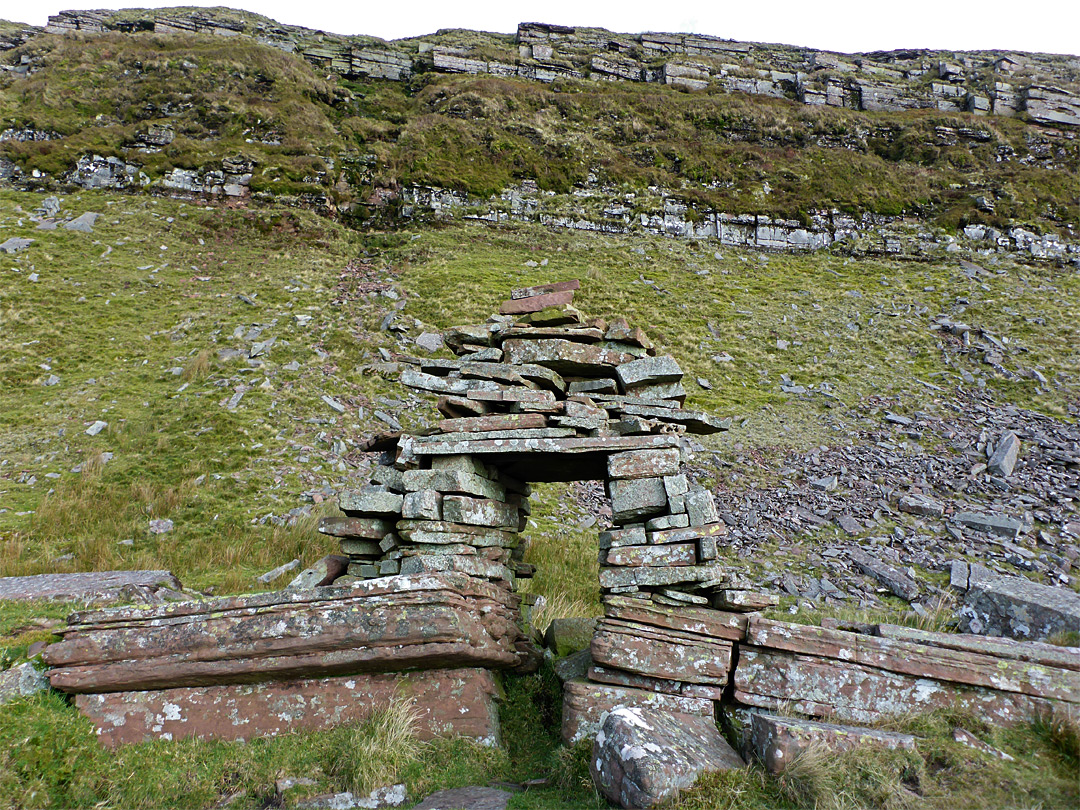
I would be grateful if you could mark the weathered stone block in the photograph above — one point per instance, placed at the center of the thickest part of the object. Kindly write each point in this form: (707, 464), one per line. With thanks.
(701, 508)
(1000, 525)
(370, 503)
(536, 303)
(370, 528)
(479, 512)
(915, 504)
(643, 464)
(565, 357)
(677, 554)
(1005, 455)
(643, 757)
(584, 703)
(424, 504)
(21, 681)
(449, 702)
(632, 534)
(633, 498)
(661, 652)
(1018, 608)
(569, 635)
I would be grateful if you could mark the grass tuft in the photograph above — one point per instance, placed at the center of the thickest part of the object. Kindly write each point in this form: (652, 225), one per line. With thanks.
(377, 750)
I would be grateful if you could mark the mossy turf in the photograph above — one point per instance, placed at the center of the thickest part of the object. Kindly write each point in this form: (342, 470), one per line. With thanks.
(133, 317)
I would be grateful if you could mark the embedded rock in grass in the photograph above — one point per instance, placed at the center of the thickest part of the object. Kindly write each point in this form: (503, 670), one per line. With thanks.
(466, 798)
(21, 681)
(643, 757)
(93, 588)
(778, 741)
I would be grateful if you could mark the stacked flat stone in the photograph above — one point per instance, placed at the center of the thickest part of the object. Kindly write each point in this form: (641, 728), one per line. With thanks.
(535, 385)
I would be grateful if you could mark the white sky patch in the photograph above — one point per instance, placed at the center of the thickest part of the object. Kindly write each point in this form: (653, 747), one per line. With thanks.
(839, 25)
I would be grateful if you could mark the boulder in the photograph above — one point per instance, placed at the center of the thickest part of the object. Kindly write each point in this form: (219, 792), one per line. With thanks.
(1016, 607)
(643, 757)
(585, 703)
(1005, 455)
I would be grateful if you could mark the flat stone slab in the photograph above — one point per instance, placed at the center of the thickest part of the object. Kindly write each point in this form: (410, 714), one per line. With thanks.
(535, 303)
(661, 653)
(649, 371)
(853, 693)
(899, 583)
(587, 444)
(449, 702)
(380, 625)
(92, 586)
(1000, 525)
(778, 741)
(544, 289)
(466, 798)
(643, 757)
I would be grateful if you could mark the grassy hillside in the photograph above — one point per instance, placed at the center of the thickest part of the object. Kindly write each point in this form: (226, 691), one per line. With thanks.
(311, 133)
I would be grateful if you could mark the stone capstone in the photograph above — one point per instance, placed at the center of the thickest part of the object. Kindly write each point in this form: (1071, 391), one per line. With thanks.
(643, 757)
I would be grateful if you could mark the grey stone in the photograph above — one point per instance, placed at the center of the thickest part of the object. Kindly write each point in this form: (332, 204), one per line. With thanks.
(466, 798)
(991, 524)
(430, 341)
(15, 244)
(333, 403)
(425, 504)
(643, 757)
(649, 371)
(21, 681)
(83, 223)
(370, 502)
(1015, 607)
(827, 484)
(633, 498)
(281, 570)
(899, 583)
(701, 508)
(1005, 454)
(96, 428)
(91, 587)
(916, 504)
(449, 481)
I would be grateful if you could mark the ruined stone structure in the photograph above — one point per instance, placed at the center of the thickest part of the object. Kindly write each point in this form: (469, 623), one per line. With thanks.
(427, 605)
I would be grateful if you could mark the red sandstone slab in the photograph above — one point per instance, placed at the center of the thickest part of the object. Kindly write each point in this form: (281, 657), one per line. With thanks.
(716, 624)
(449, 701)
(645, 651)
(544, 289)
(618, 677)
(535, 303)
(779, 741)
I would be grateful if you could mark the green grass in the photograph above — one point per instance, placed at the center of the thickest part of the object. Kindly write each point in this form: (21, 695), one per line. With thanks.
(115, 312)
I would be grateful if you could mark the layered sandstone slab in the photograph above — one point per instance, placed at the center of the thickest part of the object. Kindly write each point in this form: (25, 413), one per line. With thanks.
(584, 704)
(449, 702)
(389, 624)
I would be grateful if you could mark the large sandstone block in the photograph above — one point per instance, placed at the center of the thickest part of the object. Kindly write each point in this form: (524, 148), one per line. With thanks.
(450, 702)
(401, 622)
(778, 741)
(1016, 607)
(584, 703)
(643, 757)
(661, 653)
